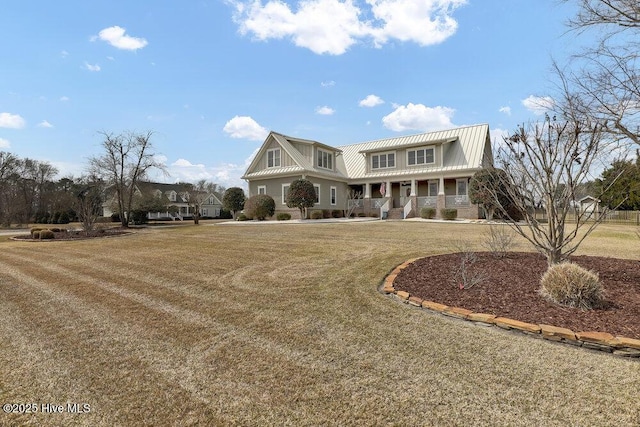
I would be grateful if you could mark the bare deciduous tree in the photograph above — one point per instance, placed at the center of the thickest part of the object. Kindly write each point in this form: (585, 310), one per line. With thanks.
(606, 75)
(126, 159)
(544, 165)
(197, 195)
(354, 200)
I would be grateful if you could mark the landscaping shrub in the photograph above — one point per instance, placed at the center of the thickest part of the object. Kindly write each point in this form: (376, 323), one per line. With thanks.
(336, 213)
(35, 234)
(139, 216)
(33, 230)
(361, 214)
(326, 213)
(449, 214)
(316, 215)
(243, 217)
(55, 229)
(260, 206)
(225, 214)
(374, 214)
(46, 235)
(571, 285)
(427, 213)
(283, 216)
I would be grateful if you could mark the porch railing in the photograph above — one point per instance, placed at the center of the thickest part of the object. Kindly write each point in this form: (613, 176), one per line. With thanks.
(407, 209)
(427, 202)
(456, 201)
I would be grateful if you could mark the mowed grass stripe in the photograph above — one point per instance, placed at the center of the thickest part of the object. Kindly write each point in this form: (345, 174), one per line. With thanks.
(313, 343)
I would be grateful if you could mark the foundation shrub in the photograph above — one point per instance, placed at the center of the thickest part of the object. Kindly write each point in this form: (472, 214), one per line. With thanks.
(374, 214)
(243, 217)
(336, 213)
(260, 206)
(361, 214)
(316, 215)
(35, 234)
(283, 216)
(449, 214)
(570, 285)
(326, 213)
(427, 213)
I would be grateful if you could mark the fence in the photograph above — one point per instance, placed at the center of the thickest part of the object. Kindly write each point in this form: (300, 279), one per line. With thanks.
(611, 217)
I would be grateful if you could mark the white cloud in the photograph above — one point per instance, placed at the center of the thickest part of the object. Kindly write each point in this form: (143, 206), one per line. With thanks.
(497, 136)
(64, 98)
(333, 26)
(371, 101)
(328, 83)
(244, 127)
(11, 121)
(505, 110)
(91, 67)
(538, 105)
(419, 117)
(325, 111)
(64, 54)
(116, 37)
(45, 124)
(4, 143)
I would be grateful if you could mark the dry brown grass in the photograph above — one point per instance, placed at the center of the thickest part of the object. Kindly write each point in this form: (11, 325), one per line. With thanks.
(280, 325)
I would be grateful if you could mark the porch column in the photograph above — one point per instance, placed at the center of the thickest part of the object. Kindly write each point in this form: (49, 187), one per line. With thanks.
(413, 187)
(387, 189)
(441, 202)
(367, 191)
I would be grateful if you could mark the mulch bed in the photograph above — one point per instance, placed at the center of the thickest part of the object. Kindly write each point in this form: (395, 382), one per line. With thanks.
(510, 289)
(78, 234)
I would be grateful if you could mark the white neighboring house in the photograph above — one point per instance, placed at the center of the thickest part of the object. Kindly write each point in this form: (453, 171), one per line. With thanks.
(397, 176)
(589, 206)
(174, 198)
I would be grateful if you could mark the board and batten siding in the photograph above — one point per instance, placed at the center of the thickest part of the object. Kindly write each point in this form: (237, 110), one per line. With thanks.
(402, 161)
(285, 159)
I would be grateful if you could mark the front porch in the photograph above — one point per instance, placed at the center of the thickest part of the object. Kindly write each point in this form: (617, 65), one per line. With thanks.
(405, 199)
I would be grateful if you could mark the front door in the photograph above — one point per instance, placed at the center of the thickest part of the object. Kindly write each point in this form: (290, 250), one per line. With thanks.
(405, 193)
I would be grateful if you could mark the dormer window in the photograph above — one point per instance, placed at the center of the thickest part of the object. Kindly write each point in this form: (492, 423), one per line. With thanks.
(273, 158)
(420, 156)
(157, 194)
(383, 161)
(325, 159)
(172, 196)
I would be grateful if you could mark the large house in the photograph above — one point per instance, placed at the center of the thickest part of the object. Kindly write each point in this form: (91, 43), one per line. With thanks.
(171, 201)
(397, 176)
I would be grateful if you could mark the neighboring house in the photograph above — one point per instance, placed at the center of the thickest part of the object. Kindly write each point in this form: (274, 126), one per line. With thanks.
(173, 198)
(589, 205)
(397, 176)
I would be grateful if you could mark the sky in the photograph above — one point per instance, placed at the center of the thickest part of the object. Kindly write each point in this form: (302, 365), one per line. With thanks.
(211, 78)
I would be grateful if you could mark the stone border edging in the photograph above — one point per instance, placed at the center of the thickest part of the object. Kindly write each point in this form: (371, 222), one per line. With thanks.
(602, 341)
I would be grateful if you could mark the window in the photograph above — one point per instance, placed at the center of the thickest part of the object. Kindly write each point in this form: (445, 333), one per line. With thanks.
(262, 189)
(461, 187)
(317, 188)
(212, 200)
(333, 196)
(172, 196)
(420, 156)
(285, 192)
(325, 159)
(433, 188)
(273, 158)
(383, 161)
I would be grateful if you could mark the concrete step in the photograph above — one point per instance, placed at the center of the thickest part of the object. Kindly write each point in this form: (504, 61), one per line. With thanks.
(395, 213)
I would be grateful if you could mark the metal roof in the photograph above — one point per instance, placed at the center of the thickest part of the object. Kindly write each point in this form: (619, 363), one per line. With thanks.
(465, 150)
(464, 147)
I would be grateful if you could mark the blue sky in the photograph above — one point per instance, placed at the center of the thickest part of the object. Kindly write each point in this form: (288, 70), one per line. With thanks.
(211, 78)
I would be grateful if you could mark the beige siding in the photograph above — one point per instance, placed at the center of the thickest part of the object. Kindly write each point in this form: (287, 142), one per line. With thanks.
(401, 158)
(285, 159)
(305, 149)
(274, 189)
